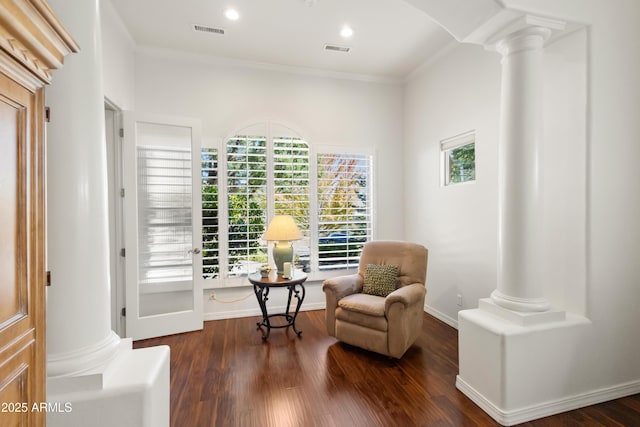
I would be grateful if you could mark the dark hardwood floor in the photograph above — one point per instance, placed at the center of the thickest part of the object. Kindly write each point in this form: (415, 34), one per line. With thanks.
(225, 375)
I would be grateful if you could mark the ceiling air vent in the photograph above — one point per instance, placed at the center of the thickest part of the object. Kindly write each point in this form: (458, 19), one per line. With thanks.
(336, 48)
(207, 29)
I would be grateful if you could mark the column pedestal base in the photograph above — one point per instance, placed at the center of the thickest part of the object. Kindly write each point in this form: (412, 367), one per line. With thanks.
(520, 304)
(132, 390)
(527, 318)
(518, 366)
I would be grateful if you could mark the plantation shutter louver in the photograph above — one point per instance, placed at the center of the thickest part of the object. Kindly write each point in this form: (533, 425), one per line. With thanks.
(291, 186)
(210, 244)
(344, 209)
(247, 201)
(164, 214)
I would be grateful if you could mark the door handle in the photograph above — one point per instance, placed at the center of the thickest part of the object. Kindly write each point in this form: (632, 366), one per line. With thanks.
(194, 251)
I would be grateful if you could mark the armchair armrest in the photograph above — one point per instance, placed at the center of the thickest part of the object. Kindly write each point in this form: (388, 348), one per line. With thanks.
(336, 288)
(406, 295)
(404, 309)
(342, 286)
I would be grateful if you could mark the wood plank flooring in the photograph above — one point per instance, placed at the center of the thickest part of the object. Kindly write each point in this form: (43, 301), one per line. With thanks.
(225, 375)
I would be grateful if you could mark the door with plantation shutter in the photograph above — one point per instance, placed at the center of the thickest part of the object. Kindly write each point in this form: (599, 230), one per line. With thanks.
(162, 203)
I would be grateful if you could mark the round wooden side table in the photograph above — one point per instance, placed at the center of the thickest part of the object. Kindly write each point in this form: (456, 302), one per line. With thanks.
(262, 286)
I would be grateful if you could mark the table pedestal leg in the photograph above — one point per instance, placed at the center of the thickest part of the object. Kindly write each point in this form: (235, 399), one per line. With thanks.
(299, 295)
(262, 294)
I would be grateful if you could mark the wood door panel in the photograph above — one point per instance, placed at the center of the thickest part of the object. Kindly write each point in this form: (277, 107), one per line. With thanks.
(13, 215)
(22, 375)
(14, 390)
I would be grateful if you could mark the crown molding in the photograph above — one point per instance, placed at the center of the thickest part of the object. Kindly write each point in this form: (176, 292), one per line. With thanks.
(33, 36)
(175, 55)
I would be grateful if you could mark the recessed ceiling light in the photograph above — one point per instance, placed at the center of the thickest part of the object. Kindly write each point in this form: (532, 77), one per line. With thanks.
(346, 32)
(232, 14)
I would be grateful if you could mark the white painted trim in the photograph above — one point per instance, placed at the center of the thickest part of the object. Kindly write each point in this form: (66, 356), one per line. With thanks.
(321, 305)
(549, 408)
(441, 316)
(218, 60)
(234, 314)
(85, 359)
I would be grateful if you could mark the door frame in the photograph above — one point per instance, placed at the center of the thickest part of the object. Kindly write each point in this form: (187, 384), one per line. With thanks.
(114, 140)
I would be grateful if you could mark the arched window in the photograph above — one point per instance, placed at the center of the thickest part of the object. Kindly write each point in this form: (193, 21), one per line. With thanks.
(268, 173)
(269, 169)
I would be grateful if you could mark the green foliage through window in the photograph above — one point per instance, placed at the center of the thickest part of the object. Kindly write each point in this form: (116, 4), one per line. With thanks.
(461, 163)
(210, 251)
(247, 201)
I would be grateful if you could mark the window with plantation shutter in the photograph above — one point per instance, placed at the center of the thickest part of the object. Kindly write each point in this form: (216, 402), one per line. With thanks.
(344, 209)
(164, 214)
(210, 244)
(291, 186)
(246, 201)
(271, 170)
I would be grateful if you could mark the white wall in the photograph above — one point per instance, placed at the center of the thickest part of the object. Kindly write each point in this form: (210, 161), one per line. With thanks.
(593, 214)
(458, 224)
(324, 110)
(118, 58)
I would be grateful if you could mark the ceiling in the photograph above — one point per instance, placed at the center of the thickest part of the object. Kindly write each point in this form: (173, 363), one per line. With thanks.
(391, 38)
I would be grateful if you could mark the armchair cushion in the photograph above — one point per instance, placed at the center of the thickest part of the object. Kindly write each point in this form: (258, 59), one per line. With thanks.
(380, 279)
(363, 303)
(364, 310)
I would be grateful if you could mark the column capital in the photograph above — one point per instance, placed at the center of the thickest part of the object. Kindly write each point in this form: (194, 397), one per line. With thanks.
(526, 32)
(529, 38)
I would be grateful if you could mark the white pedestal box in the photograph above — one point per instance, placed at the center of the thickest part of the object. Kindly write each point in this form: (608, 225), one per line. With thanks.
(131, 391)
(519, 370)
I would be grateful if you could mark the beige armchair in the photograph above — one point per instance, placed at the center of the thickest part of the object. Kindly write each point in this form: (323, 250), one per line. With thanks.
(386, 325)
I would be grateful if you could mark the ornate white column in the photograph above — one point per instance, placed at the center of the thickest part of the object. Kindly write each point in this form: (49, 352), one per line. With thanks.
(519, 165)
(500, 342)
(79, 336)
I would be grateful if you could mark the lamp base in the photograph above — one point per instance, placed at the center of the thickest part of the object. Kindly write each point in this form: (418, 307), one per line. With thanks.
(282, 252)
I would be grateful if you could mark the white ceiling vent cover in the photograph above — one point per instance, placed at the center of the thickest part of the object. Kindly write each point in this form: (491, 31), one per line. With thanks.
(335, 48)
(207, 29)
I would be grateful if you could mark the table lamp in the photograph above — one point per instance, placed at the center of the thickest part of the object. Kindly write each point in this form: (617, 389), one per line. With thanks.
(282, 230)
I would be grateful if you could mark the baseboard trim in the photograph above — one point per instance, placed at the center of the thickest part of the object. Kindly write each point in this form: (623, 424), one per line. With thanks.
(509, 418)
(441, 316)
(233, 314)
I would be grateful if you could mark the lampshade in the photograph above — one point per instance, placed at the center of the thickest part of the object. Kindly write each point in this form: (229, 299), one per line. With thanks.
(282, 227)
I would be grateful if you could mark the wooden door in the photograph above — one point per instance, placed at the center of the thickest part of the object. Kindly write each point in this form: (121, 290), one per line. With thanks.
(22, 276)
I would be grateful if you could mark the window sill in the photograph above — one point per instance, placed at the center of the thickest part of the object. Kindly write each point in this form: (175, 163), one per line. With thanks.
(314, 276)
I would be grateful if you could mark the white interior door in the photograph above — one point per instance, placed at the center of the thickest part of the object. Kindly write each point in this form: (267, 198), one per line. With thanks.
(162, 206)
